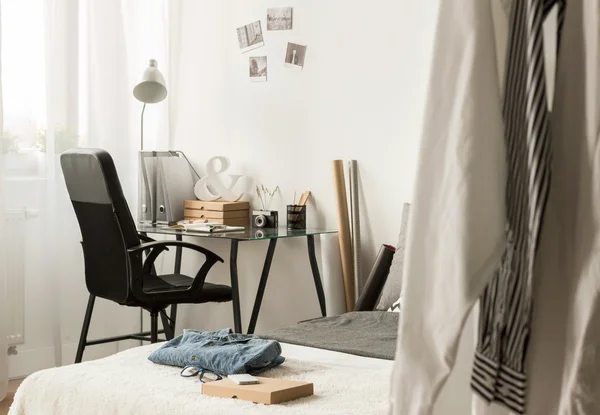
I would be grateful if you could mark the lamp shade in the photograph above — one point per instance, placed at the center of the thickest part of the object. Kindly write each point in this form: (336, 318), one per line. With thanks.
(151, 88)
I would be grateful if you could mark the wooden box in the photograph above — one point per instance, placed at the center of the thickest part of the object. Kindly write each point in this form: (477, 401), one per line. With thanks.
(215, 214)
(268, 391)
(226, 213)
(218, 206)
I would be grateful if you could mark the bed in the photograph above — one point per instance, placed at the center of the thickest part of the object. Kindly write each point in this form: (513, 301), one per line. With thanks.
(348, 358)
(128, 383)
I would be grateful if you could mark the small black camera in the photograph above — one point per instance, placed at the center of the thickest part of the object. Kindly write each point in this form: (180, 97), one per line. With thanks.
(265, 219)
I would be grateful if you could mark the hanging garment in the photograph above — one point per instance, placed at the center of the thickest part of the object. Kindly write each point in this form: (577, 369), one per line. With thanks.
(576, 118)
(499, 369)
(457, 228)
(564, 354)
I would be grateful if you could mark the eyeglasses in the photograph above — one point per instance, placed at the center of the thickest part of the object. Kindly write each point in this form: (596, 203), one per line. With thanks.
(204, 375)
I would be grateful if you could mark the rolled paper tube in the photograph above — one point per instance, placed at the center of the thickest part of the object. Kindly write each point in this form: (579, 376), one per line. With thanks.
(377, 278)
(359, 280)
(344, 233)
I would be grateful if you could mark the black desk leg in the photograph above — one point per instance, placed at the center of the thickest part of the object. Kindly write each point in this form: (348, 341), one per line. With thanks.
(261, 285)
(315, 271)
(177, 270)
(235, 289)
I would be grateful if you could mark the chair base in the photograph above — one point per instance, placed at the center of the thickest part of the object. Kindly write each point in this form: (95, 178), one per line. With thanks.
(144, 336)
(149, 336)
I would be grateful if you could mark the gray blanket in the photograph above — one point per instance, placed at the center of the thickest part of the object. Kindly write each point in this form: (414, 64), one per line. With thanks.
(364, 333)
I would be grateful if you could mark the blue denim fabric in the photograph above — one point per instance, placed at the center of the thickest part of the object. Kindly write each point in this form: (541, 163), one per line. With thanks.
(222, 352)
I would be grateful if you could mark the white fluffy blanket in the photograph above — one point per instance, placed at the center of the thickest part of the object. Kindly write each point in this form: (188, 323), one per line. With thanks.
(128, 383)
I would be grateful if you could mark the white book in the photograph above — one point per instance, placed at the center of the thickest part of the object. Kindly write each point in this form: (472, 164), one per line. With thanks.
(206, 227)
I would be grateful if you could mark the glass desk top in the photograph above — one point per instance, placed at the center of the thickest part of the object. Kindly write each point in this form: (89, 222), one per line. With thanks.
(249, 234)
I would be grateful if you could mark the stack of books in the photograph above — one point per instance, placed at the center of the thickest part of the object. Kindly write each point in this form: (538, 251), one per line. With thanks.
(225, 213)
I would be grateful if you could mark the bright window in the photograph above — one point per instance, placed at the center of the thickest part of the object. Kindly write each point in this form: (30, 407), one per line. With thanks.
(23, 75)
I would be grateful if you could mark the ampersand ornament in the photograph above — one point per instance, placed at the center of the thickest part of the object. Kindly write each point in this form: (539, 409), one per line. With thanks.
(215, 168)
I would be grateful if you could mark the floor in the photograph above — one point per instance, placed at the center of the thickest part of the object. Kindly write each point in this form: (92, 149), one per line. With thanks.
(12, 388)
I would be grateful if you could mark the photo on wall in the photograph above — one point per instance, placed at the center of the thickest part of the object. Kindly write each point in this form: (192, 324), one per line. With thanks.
(258, 68)
(294, 56)
(279, 18)
(250, 36)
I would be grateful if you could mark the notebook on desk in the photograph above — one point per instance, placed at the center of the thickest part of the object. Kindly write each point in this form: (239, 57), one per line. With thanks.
(207, 227)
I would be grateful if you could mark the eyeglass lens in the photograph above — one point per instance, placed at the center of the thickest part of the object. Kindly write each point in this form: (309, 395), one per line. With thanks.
(190, 371)
(209, 377)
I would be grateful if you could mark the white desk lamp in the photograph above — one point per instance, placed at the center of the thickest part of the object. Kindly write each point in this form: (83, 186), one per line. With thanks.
(150, 89)
(152, 206)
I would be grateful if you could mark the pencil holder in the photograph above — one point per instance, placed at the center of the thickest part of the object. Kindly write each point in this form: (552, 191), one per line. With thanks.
(296, 216)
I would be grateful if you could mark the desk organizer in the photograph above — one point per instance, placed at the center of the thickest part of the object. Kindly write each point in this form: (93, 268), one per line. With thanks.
(296, 216)
(166, 179)
(226, 213)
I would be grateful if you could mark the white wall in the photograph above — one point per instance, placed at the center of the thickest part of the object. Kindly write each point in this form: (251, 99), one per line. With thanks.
(359, 97)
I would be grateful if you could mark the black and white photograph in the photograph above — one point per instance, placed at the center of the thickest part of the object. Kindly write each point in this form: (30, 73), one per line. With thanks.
(258, 68)
(279, 18)
(250, 36)
(294, 56)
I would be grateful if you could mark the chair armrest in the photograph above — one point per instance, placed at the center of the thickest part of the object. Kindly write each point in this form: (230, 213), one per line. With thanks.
(146, 238)
(157, 247)
(162, 245)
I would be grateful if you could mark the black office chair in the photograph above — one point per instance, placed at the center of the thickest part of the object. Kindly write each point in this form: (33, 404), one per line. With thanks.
(115, 267)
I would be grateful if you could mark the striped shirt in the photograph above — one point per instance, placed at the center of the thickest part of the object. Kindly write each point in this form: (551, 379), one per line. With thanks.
(499, 367)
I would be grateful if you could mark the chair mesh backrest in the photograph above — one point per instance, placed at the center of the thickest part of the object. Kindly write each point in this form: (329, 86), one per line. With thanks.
(106, 224)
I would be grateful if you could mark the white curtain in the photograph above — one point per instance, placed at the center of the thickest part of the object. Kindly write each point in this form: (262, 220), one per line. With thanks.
(69, 67)
(3, 314)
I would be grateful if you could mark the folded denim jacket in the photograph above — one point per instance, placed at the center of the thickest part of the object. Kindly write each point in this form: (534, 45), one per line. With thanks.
(223, 352)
